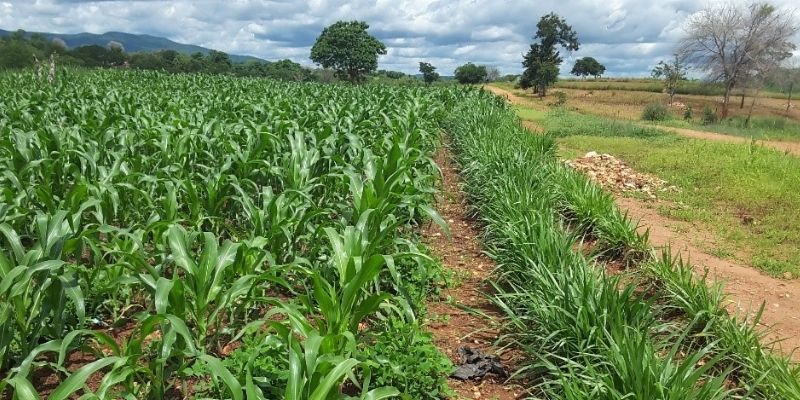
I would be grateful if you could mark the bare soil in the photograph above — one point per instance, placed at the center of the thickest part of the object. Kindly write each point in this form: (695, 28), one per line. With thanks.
(787, 147)
(746, 289)
(464, 316)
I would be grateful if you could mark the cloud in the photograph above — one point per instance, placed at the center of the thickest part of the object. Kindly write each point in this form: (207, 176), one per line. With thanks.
(628, 36)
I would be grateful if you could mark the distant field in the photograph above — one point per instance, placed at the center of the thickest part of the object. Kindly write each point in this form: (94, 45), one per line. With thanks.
(770, 119)
(652, 85)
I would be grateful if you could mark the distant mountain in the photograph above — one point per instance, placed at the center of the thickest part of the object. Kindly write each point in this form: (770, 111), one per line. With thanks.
(131, 42)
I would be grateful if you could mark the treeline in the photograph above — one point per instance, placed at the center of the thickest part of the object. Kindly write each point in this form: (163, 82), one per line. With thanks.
(19, 50)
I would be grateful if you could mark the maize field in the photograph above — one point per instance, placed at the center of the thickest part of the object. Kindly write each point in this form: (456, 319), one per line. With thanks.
(191, 236)
(148, 220)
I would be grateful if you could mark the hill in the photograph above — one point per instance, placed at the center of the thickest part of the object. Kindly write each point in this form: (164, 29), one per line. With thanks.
(131, 42)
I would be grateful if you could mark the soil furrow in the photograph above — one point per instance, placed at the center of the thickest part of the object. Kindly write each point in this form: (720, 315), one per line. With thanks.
(464, 316)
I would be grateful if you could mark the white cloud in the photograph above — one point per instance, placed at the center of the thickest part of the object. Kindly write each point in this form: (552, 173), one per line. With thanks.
(628, 36)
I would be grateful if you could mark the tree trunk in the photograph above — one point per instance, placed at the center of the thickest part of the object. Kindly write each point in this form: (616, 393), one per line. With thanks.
(741, 105)
(726, 100)
(542, 90)
(750, 112)
(353, 76)
(789, 101)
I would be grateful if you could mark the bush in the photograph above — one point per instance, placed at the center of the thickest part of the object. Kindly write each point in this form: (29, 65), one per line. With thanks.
(709, 116)
(403, 356)
(655, 112)
(688, 113)
(560, 99)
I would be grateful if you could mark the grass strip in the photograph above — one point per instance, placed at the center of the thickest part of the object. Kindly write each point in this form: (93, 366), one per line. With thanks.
(585, 337)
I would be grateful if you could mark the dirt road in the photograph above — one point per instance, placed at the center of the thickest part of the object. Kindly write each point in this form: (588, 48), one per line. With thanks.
(746, 288)
(787, 147)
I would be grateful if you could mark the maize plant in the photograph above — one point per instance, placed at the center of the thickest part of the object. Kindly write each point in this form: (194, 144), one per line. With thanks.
(185, 208)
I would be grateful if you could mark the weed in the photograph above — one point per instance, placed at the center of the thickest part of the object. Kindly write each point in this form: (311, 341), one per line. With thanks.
(401, 355)
(655, 112)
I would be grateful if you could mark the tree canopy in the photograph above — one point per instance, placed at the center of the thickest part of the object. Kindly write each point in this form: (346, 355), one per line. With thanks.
(470, 73)
(588, 66)
(732, 43)
(19, 49)
(671, 73)
(349, 49)
(428, 71)
(543, 59)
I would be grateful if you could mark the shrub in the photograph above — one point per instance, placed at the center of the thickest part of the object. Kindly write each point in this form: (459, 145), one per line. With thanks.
(709, 116)
(688, 113)
(560, 99)
(655, 112)
(403, 356)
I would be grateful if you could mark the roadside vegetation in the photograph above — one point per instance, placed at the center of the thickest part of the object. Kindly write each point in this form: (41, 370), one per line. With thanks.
(746, 194)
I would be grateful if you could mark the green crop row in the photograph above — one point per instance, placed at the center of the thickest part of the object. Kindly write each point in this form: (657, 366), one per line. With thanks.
(589, 334)
(187, 235)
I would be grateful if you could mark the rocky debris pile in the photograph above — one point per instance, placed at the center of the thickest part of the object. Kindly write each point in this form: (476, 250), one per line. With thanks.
(613, 174)
(678, 105)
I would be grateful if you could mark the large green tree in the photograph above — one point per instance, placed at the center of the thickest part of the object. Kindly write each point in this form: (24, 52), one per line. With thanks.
(543, 59)
(349, 49)
(428, 71)
(588, 66)
(470, 73)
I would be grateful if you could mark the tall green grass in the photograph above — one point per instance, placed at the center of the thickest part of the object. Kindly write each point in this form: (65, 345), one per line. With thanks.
(587, 334)
(560, 122)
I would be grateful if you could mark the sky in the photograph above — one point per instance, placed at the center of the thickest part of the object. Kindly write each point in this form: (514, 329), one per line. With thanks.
(628, 36)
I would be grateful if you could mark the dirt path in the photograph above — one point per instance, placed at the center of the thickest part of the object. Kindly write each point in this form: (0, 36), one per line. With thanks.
(787, 147)
(450, 323)
(746, 288)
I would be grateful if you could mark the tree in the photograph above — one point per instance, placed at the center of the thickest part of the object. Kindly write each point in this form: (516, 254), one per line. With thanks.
(93, 55)
(114, 45)
(542, 60)
(287, 70)
(671, 73)
(218, 62)
(349, 49)
(732, 43)
(59, 43)
(470, 73)
(588, 66)
(428, 71)
(16, 54)
(492, 74)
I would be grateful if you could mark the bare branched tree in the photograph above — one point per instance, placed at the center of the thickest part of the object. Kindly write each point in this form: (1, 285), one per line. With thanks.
(492, 74)
(734, 43)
